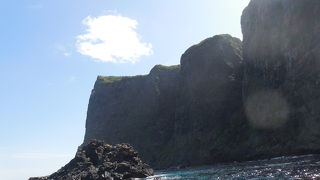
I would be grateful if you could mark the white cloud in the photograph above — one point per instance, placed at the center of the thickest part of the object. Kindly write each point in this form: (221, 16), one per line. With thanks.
(112, 38)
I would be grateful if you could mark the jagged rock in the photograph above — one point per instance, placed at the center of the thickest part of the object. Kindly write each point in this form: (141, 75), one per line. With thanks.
(99, 161)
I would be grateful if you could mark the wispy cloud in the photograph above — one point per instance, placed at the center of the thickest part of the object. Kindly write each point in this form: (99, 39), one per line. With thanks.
(50, 84)
(35, 6)
(38, 156)
(72, 79)
(112, 38)
(63, 50)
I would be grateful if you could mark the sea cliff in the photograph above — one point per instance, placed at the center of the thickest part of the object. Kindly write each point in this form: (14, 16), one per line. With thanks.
(227, 100)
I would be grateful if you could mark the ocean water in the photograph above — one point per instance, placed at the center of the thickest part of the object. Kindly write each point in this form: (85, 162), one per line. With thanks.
(293, 167)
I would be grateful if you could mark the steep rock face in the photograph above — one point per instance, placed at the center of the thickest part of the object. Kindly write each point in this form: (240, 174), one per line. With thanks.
(99, 161)
(210, 102)
(136, 110)
(175, 115)
(281, 75)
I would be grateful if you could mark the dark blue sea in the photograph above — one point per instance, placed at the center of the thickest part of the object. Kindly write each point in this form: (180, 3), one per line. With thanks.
(293, 167)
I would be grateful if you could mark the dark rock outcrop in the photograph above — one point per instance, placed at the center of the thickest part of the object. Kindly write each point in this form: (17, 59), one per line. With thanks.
(99, 161)
(220, 105)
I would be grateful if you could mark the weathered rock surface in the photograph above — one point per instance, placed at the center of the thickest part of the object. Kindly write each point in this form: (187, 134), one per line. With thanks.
(139, 110)
(209, 104)
(220, 105)
(175, 114)
(282, 74)
(99, 161)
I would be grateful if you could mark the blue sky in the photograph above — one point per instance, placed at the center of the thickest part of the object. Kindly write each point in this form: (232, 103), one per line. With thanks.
(46, 78)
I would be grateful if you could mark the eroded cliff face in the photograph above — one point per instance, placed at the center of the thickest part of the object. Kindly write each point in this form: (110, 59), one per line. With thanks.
(138, 110)
(174, 115)
(210, 102)
(281, 73)
(223, 103)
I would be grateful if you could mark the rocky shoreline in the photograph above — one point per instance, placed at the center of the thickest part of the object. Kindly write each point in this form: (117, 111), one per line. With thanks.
(99, 161)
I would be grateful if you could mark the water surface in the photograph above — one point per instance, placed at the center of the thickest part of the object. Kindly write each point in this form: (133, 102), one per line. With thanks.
(294, 167)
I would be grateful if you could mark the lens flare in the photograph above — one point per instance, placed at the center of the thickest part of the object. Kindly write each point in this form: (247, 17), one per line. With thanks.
(267, 110)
